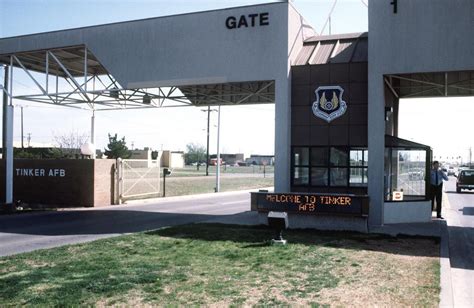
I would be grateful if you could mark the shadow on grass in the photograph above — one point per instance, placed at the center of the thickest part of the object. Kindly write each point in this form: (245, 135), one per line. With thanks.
(260, 236)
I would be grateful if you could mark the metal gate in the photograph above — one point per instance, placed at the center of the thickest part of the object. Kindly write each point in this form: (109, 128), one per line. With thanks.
(137, 179)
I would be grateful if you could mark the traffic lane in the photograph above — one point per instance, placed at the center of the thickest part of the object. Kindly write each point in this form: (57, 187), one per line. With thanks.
(123, 219)
(461, 203)
(460, 226)
(20, 233)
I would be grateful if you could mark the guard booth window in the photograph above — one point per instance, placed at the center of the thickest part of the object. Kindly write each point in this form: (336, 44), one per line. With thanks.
(329, 167)
(301, 166)
(407, 166)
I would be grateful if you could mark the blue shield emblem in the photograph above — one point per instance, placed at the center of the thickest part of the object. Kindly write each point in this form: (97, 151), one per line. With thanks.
(329, 104)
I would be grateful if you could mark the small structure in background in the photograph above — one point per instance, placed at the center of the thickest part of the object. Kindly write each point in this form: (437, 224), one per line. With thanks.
(229, 159)
(171, 159)
(166, 158)
(268, 160)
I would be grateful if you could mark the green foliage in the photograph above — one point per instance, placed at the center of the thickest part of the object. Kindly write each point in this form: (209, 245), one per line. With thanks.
(26, 154)
(42, 153)
(195, 153)
(117, 148)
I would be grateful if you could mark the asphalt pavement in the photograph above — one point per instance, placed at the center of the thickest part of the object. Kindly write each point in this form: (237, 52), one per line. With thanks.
(31, 231)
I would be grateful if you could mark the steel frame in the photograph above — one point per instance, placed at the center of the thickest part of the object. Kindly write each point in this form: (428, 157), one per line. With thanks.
(423, 86)
(74, 63)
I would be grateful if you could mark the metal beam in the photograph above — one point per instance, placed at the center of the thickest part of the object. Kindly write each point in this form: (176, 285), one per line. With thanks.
(71, 78)
(29, 74)
(389, 85)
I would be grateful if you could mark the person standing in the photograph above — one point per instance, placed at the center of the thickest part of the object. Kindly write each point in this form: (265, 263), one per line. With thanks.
(437, 177)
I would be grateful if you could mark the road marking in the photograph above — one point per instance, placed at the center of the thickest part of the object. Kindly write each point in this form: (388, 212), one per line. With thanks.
(235, 202)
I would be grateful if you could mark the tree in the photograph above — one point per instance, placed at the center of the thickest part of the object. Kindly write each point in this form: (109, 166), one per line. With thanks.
(195, 153)
(117, 148)
(70, 143)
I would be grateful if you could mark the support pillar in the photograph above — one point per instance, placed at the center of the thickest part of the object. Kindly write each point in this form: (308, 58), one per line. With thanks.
(7, 142)
(9, 156)
(218, 165)
(282, 135)
(93, 133)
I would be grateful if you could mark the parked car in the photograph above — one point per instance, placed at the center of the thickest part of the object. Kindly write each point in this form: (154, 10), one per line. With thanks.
(465, 180)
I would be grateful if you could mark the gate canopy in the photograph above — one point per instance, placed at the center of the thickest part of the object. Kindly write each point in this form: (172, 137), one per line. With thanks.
(91, 86)
(183, 60)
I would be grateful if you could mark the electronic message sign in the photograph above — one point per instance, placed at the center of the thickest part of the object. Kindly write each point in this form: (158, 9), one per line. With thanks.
(310, 203)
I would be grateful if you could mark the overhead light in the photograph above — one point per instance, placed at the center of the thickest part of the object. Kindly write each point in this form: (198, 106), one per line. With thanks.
(114, 93)
(147, 99)
(278, 221)
(88, 149)
(388, 113)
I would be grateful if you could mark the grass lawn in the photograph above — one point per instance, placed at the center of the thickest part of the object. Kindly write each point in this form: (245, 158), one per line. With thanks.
(223, 265)
(190, 186)
(192, 170)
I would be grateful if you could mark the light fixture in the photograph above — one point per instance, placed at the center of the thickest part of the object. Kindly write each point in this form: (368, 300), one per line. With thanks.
(114, 93)
(278, 221)
(147, 99)
(388, 112)
(88, 149)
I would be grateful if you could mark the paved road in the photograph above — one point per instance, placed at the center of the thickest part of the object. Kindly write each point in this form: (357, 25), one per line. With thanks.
(459, 214)
(27, 232)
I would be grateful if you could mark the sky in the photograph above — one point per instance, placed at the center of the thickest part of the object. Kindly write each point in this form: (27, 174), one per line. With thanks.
(244, 129)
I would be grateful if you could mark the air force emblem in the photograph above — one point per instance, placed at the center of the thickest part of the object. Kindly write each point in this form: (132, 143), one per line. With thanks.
(329, 104)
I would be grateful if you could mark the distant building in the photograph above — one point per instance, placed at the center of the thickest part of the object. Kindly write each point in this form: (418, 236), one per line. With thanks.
(261, 160)
(167, 159)
(172, 159)
(141, 154)
(229, 159)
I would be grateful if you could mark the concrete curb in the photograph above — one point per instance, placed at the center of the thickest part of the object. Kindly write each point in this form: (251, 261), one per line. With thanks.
(446, 282)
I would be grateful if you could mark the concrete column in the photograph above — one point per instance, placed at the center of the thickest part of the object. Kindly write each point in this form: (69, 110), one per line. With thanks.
(9, 155)
(218, 165)
(376, 145)
(93, 133)
(7, 141)
(282, 135)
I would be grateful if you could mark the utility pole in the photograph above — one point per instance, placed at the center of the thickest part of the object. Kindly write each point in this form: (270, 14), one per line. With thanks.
(207, 143)
(470, 157)
(329, 24)
(29, 139)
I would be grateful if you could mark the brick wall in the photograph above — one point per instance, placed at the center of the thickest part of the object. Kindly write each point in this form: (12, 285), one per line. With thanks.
(62, 182)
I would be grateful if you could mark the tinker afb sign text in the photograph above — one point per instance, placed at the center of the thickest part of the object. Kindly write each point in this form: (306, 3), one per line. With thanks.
(246, 21)
(39, 172)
